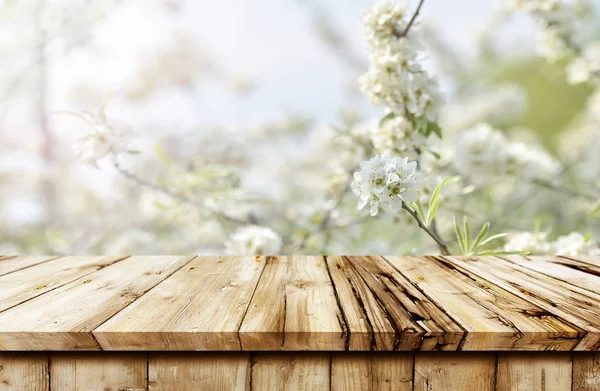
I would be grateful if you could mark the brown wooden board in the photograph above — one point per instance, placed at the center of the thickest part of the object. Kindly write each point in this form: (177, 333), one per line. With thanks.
(313, 303)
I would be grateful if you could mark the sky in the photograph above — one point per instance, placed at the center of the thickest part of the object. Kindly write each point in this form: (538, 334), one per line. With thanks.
(271, 42)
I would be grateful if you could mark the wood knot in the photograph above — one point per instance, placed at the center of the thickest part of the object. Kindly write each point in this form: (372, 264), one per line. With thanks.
(302, 284)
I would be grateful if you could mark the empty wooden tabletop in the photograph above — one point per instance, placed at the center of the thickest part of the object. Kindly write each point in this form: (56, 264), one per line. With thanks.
(333, 303)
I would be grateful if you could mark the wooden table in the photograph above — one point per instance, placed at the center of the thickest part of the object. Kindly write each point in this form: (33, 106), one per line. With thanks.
(306, 323)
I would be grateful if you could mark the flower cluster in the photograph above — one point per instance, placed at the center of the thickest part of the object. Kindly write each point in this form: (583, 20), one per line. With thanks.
(559, 31)
(483, 151)
(387, 182)
(103, 140)
(583, 68)
(396, 136)
(254, 240)
(395, 78)
(572, 244)
(530, 242)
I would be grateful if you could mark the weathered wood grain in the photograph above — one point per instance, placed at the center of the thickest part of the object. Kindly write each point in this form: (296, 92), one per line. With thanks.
(25, 284)
(494, 318)
(291, 371)
(199, 371)
(372, 371)
(585, 282)
(593, 260)
(11, 264)
(294, 308)
(198, 308)
(554, 298)
(368, 324)
(418, 322)
(98, 371)
(63, 319)
(452, 371)
(586, 371)
(300, 303)
(24, 371)
(535, 372)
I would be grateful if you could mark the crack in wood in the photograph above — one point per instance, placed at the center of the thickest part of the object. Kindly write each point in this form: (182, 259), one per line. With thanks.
(343, 321)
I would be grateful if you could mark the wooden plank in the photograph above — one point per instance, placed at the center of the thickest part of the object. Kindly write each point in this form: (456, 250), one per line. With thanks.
(294, 308)
(451, 371)
(11, 264)
(585, 282)
(575, 308)
(494, 318)
(372, 371)
(63, 319)
(586, 371)
(593, 260)
(198, 371)
(98, 371)
(286, 371)
(25, 284)
(24, 371)
(417, 322)
(368, 324)
(572, 263)
(198, 308)
(534, 371)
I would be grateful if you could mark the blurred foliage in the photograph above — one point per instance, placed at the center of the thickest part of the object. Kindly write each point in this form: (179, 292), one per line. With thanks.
(552, 103)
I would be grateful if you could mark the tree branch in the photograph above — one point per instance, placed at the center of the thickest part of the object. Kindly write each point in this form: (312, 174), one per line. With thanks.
(182, 197)
(443, 247)
(412, 20)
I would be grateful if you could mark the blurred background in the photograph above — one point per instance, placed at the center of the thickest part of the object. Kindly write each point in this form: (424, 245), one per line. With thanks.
(234, 101)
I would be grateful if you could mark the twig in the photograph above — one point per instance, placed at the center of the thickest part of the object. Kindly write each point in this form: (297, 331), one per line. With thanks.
(562, 189)
(412, 20)
(327, 217)
(182, 197)
(443, 247)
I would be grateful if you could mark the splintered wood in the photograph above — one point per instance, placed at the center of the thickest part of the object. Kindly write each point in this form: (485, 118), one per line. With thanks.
(308, 303)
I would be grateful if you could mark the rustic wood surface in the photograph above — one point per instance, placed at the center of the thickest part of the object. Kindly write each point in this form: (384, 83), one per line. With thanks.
(309, 303)
(300, 371)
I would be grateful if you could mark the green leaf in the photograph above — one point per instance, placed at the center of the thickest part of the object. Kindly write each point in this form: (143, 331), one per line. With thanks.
(436, 155)
(467, 233)
(435, 128)
(481, 236)
(387, 117)
(596, 211)
(162, 155)
(491, 238)
(434, 201)
(460, 236)
(160, 205)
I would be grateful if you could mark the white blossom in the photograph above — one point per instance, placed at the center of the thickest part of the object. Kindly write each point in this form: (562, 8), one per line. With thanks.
(385, 21)
(385, 181)
(480, 153)
(531, 242)
(254, 240)
(550, 44)
(395, 136)
(395, 78)
(483, 152)
(572, 244)
(559, 29)
(482, 106)
(585, 66)
(529, 162)
(103, 139)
